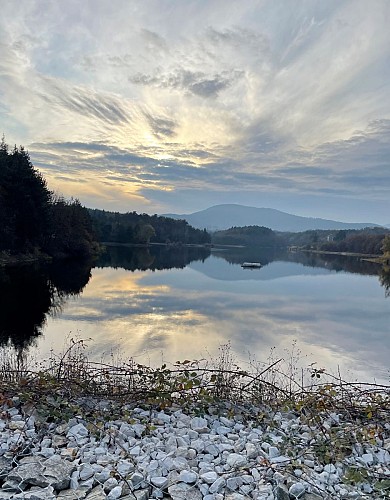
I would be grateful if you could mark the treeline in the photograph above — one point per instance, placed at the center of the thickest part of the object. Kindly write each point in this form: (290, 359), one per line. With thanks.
(365, 241)
(360, 242)
(137, 228)
(32, 219)
(247, 235)
(152, 258)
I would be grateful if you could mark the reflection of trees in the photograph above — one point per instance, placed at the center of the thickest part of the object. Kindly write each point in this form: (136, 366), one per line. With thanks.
(153, 258)
(310, 259)
(384, 280)
(29, 293)
(335, 263)
(265, 255)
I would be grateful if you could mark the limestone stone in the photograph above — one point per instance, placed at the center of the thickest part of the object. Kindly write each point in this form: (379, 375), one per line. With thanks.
(96, 494)
(297, 490)
(183, 491)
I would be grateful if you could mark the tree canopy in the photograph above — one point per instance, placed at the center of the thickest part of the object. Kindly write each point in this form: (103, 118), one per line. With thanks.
(132, 227)
(32, 219)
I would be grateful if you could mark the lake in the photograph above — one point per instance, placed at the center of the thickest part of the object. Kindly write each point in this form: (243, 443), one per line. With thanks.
(163, 304)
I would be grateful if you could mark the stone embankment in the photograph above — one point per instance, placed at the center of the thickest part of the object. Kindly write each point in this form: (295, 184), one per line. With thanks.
(170, 454)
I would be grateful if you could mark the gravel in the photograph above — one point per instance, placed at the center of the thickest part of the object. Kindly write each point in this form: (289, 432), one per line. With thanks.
(147, 453)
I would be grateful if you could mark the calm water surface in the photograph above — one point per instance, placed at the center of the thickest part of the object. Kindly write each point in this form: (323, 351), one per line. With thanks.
(162, 305)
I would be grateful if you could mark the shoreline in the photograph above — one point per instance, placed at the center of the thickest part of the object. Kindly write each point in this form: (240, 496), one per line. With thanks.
(378, 259)
(83, 430)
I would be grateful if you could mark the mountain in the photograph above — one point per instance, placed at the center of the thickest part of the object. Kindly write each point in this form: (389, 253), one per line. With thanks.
(229, 215)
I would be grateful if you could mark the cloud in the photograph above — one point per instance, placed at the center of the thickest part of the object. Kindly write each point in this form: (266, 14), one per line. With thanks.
(278, 97)
(196, 83)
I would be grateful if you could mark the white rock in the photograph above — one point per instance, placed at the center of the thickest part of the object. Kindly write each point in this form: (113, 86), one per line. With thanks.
(78, 430)
(103, 475)
(159, 482)
(251, 450)
(85, 472)
(183, 491)
(226, 421)
(367, 458)
(163, 417)
(383, 457)
(233, 483)
(198, 445)
(135, 451)
(209, 477)
(273, 452)
(297, 490)
(212, 449)
(199, 424)
(188, 476)
(281, 460)
(110, 484)
(330, 468)
(218, 485)
(236, 460)
(115, 493)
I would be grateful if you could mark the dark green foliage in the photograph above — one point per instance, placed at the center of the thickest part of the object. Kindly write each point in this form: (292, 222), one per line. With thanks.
(367, 241)
(143, 229)
(41, 291)
(386, 246)
(72, 234)
(248, 235)
(24, 202)
(32, 220)
(357, 242)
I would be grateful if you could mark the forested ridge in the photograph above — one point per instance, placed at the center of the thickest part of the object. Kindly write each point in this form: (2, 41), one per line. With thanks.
(35, 221)
(364, 241)
(137, 228)
(32, 219)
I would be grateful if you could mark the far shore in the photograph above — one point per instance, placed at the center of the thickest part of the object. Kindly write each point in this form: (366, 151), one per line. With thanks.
(377, 259)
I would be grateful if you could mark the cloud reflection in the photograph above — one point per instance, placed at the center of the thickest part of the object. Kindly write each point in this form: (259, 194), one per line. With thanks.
(183, 313)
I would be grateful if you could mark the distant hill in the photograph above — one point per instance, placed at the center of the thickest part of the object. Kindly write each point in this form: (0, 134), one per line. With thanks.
(225, 216)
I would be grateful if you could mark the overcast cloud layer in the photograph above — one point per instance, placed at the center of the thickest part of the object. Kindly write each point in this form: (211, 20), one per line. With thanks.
(176, 105)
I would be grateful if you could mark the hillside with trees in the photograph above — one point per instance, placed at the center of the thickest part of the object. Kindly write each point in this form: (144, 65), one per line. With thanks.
(247, 235)
(365, 241)
(370, 241)
(134, 228)
(32, 220)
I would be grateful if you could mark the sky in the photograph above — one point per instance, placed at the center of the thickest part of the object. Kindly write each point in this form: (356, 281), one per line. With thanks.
(162, 106)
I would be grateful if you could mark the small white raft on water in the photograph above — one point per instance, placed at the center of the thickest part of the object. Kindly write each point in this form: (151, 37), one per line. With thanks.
(251, 265)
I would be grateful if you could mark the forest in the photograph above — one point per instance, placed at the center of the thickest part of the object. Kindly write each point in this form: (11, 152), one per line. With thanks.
(365, 241)
(247, 236)
(137, 228)
(35, 221)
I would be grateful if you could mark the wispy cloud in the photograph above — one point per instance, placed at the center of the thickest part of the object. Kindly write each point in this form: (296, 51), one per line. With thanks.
(279, 97)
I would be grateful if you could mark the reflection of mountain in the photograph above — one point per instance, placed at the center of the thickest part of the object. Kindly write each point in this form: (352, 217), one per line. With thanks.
(218, 269)
(153, 258)
(278, 264)
(29, 293)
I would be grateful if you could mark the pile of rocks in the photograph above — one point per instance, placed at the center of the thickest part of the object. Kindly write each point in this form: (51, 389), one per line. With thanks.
(171, 454)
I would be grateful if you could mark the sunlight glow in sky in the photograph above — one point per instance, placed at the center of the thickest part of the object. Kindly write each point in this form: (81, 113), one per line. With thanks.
(176, 105)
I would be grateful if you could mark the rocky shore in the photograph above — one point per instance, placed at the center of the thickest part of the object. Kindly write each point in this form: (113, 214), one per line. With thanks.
(220, 454)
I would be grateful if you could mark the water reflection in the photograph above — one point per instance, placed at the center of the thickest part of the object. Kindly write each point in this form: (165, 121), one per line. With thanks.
(333, 306)
(153, 258)
(28, 294)
(313, 260)
(384, 278)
